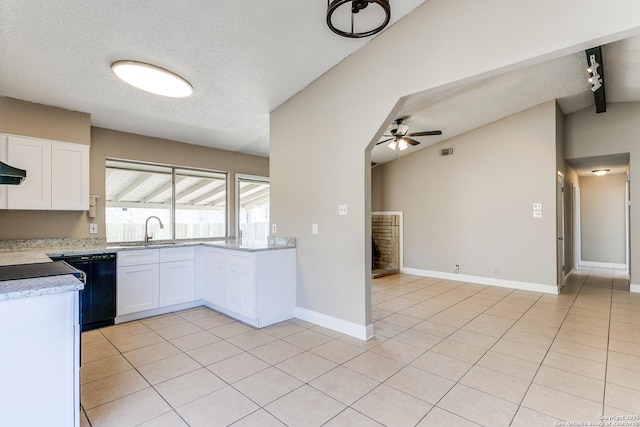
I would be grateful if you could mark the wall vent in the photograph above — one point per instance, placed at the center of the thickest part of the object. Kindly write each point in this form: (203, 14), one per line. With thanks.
(446, 151)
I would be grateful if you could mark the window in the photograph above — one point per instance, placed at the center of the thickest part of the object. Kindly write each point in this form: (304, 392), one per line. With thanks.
(190, 203)
(253, 207)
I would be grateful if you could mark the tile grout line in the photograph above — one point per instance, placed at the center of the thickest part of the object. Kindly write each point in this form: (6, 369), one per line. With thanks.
(520, 405)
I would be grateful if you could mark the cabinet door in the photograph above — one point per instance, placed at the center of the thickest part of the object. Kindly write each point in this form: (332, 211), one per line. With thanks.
(176, 282)
(215, 288)
(34, 156)
(241, 284)
(137, 288)
(69, 176)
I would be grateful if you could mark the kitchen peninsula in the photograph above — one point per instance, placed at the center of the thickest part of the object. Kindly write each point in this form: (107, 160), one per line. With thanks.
(40, 357)
(252, 281)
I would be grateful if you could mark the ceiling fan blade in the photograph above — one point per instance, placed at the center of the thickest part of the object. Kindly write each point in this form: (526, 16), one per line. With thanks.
(411, 141)
(426, 133)
(382, 142)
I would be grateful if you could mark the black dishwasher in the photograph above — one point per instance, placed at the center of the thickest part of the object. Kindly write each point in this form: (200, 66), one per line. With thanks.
(98, 298)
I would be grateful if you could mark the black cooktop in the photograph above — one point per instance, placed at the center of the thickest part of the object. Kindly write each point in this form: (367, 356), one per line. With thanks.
(39, 269)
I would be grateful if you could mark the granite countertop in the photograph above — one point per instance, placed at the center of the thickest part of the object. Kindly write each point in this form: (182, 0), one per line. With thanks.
(23, 288)
(31, 251)
(14, 252)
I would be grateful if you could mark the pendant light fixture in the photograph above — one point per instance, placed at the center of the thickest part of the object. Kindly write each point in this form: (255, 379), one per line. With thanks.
(153, 79)
(354, 7)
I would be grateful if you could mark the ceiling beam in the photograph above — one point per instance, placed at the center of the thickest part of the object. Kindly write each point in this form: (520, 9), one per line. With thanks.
(209, 195)
(599, 94)
(161, 190)
(197, 186)
(260, 201)
(133, 186)
(250, 198)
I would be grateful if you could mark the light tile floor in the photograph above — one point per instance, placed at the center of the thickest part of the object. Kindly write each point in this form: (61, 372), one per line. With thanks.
(446, 353)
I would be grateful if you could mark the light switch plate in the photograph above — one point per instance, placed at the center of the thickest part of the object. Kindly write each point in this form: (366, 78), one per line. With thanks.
(314, 228)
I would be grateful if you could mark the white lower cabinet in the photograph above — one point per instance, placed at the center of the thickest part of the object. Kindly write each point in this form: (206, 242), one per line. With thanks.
(176, 282)
(137, 288)
(258, 288)
(40, 361)
(153, 278)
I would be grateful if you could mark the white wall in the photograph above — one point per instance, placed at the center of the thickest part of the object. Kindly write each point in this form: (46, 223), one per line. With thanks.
(474, 209)
(602, 207)
(320, 137)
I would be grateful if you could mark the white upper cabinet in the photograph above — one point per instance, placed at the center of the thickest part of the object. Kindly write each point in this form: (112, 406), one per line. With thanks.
(57, 174)
(69, 176)
(34, 156)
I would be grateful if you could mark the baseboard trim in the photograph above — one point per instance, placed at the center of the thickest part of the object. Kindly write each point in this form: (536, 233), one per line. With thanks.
(157, 311)
(634, 288)
(603, 265)
(348, 328)
(502, 283)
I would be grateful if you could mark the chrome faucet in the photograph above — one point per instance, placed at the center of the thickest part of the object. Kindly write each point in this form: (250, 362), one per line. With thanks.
(146, 228)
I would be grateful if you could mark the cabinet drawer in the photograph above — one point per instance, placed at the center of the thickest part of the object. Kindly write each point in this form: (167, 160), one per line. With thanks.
(138, 257)
(177, 254)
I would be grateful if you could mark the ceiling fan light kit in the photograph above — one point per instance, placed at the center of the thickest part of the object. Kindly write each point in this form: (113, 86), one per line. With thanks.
(356, 6)
(401, 139)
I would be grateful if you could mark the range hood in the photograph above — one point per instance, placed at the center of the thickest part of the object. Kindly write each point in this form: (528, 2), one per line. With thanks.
(10, 175)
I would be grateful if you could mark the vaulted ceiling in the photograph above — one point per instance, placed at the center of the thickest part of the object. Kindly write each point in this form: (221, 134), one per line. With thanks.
(245, 58)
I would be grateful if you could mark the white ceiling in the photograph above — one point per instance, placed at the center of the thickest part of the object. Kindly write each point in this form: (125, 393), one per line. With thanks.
(461, 109)
(245, 58)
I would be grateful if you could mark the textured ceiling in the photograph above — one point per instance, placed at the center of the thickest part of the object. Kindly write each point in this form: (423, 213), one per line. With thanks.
(245, 58)
(466, 107)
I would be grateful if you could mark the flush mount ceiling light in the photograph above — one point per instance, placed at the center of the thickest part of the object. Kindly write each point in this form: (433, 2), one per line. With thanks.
(600, 172)
(338, 22)
(152, 79)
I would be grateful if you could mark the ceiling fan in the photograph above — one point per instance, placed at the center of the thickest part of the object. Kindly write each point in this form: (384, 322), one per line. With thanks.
(401, 139)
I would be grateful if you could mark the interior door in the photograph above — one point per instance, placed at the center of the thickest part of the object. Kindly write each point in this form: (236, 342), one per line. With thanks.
(560, 229)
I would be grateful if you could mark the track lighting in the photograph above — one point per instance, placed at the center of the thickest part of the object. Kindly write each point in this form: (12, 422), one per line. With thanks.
(594, 78)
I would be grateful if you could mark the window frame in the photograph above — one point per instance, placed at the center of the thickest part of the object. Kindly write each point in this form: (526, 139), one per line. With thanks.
(242, 176)
(172, 209)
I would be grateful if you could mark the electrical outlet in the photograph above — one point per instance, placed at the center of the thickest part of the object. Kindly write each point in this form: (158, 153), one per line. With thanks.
(93, 228)
(457, 268)
(342, 209)
(274, 228)
(537, 214)
(537, 206)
